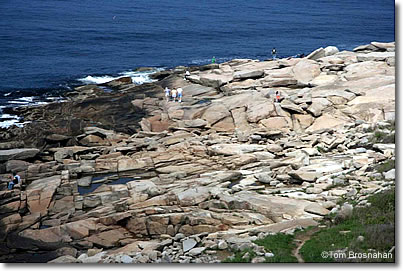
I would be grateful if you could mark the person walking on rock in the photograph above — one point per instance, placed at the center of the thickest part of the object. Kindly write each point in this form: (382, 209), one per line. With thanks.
(173, 94)
(274, 53)
(167, 93)
(180, 90)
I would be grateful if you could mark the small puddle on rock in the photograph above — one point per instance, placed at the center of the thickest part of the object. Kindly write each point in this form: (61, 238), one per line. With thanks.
(41, 227)
(204, 101)
(113, 179)
(233, 183)
(83, 190)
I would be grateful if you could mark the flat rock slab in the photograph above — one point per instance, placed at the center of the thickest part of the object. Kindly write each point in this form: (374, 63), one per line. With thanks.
(245, 74)
(285, 225)
(236, 149)
(316, 209)
(40, 193)
(17, 154)
(375, 56)
(188, 244)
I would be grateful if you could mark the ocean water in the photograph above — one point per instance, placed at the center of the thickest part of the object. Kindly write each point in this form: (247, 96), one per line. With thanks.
(47, 46)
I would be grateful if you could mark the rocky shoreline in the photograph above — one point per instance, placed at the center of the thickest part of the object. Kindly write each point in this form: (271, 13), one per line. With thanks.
(123, 176)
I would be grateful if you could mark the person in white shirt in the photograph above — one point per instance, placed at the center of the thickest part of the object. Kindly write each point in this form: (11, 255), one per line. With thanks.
(180, 90)
(187, 73)
(167, 93)
(15, 179)
(173, 94)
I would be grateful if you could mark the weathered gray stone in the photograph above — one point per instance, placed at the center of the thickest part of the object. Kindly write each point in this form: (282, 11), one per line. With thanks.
(390, 175)
(188, 244)
(84, 181)
(17, 154)
(196, 251)
(245, 74)
(316, 209)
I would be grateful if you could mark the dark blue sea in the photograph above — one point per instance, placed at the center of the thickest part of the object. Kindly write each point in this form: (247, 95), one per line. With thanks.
(49, 46)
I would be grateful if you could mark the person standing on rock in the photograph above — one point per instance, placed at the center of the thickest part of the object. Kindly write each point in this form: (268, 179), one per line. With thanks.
(277, 99)
(167, 93)
(213, 60)
(173, 94)
(274, 53)
(180, 90)
(187, 73)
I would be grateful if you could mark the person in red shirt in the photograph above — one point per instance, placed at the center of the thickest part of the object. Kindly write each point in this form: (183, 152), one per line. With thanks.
(277, 99)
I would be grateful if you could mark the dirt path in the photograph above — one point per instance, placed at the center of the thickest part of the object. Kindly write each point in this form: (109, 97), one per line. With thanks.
(300, 240)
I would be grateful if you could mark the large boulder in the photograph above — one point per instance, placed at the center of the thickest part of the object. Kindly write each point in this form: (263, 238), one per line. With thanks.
(40, 193)
(197, 90)
(275, 123)
(246, 74)
(331, 50)
(287, 104)
(144, 187)
(374, 106)
(376, 56)
(93, 140)
(259, 110)
(367, 69)
(17, 154)
(318, 105)
(276, 208)
(193, 196)
(17, 165)
(388, 46)
(306, 70)
(215, 112)
(224, 125)
(215, 80)
(318, 53)
(324, 80)
(324, 122)
(240, 119)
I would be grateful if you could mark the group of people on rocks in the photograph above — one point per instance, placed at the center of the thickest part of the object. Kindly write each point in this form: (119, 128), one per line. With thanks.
(177, 94)
(173, 94)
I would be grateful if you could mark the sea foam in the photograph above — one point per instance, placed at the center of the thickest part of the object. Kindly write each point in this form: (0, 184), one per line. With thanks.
(138, 77)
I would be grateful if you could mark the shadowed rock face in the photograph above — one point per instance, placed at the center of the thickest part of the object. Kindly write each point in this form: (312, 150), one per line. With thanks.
(127, 176)
(108, 110)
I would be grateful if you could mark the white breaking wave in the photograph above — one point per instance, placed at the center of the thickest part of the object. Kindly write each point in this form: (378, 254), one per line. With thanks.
(18, 102)
(8, 123)
(8, 116)
(7, 120)
(138, 78)
(97, 79)
(26, 99)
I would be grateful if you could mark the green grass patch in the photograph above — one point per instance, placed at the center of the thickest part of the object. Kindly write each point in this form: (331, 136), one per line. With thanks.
(375, 223)
(281, 245)
(385, 166)
(383, 137)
